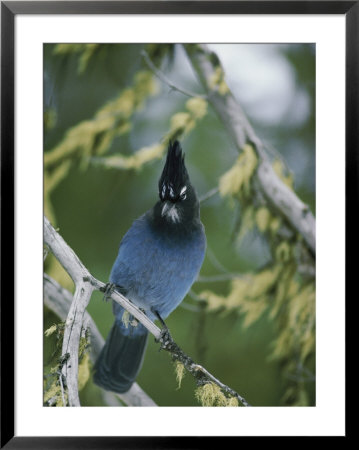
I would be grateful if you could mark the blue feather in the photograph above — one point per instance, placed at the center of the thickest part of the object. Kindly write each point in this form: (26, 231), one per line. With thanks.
(157, 270)
(158, 260)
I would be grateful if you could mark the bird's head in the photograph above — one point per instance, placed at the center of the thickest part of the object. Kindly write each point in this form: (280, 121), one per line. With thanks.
(178, 200)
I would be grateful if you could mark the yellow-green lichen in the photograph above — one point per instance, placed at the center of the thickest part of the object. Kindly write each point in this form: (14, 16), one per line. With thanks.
(238, 178)
(210, 395)
(216, 81)
(180, 372)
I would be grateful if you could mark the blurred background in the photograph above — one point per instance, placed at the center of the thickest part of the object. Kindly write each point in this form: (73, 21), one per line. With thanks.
(94, 189)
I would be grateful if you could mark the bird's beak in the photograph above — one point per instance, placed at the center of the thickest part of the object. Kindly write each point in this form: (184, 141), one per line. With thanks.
(171, 212)
(167, 208)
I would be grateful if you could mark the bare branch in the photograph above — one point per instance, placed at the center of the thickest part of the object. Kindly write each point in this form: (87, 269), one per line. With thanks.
(160, 75)
(72, 332)
(209, 194)
(205, 62)
(59, 301)
(85, 284)
(220, 277)
(215, 262)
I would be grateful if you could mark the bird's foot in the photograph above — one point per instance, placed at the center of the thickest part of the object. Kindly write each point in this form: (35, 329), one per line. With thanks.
(108, 290)
(165, 339)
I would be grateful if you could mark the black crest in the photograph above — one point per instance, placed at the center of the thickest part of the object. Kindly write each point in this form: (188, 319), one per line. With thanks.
(174, 175)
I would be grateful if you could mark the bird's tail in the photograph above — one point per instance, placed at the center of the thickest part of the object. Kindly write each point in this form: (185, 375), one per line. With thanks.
(120, 359)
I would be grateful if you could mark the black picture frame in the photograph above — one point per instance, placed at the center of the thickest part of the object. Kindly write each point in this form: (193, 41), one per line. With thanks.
(9, 10)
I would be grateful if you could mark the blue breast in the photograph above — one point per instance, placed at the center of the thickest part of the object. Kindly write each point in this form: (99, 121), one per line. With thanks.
(157, 269)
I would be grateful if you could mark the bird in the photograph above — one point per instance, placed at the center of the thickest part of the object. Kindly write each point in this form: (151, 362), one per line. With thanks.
(159, 259)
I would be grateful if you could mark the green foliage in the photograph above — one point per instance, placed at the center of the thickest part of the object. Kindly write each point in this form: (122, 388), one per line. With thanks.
(136, 161)
(55, 393)
(276, 296)
(94, 137)
(217, 81)
(283, 173)
(50, 330)
(278, 289)
(180, 124)
(237, 181)
(50, 118)
(84, 359)
(84, 371)
(85, 52)
(291, 302)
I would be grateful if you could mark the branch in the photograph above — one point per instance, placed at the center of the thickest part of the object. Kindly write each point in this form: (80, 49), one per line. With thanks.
(161, 76)
(201, 375)
(208, 195)
(220, 277)
(205, 62)
(85, 284)
(59, 301)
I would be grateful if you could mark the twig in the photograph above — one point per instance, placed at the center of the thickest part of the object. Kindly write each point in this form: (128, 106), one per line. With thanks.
(205, 62)
(85, 284)
(201, 375)
(159, 74)
(215, 262)
(215, 278)
(110, 399)
(209, 194)
(221, 385)
(194, 296)
(59, 300)
(190, 307)
(300, 379)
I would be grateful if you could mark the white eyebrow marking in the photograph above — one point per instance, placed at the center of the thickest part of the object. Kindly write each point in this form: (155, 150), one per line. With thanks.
(183, 190)
(172, 194)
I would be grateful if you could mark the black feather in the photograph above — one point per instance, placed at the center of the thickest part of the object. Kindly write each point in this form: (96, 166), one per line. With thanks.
(174, 175)
(120, 360)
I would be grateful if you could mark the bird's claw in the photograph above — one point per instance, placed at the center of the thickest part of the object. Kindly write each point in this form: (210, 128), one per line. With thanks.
(165, 339)
(108, 290)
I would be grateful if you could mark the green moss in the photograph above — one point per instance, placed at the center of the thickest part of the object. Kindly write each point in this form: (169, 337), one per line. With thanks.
(180, 372)
(210, 395)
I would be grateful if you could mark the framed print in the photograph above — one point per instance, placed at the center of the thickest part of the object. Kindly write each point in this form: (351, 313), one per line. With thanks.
(174, 182)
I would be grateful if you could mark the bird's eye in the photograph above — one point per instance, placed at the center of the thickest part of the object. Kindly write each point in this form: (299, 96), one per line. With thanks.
(183, 195)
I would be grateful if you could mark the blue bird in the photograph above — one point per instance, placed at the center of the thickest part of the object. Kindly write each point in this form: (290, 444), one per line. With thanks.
(158, 260)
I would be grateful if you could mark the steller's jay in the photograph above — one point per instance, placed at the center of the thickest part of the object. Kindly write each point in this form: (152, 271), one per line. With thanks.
(158, 260)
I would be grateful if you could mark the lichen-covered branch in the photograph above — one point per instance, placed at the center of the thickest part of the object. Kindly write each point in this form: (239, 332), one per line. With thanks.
(211, 75)
(201, 374)
(59, 301)
(85, 284)
(180, 124)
